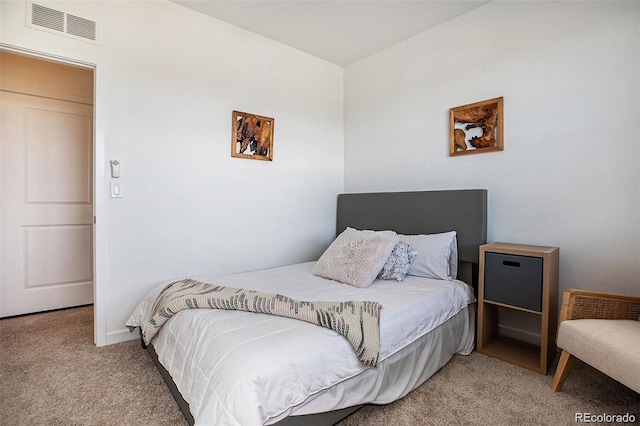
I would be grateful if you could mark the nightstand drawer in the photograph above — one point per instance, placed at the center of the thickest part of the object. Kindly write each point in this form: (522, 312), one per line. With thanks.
(513, 280)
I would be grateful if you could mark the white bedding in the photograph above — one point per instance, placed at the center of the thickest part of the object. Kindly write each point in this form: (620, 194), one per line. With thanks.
(240, 368)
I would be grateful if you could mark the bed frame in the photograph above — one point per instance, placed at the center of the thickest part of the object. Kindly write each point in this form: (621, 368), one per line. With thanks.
(420, 212)
(423, 212)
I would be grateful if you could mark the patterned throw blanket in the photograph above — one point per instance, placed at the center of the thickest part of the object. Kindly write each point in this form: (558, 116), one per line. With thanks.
(358, 322)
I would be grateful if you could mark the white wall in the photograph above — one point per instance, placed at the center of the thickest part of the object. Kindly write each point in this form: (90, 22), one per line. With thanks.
(569, 176)
(167, 82)
(168, 79)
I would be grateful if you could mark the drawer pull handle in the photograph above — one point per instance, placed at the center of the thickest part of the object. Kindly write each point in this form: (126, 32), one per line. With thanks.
(511, 263)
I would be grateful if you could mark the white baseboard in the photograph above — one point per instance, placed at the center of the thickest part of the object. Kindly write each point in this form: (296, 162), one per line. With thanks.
(519, 334)
(122, 336)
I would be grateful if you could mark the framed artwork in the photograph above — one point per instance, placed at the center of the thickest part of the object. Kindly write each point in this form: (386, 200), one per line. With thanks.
(252, 136)
(476, 127)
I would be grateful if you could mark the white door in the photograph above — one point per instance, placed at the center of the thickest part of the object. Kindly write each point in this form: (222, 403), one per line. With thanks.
(46, 203)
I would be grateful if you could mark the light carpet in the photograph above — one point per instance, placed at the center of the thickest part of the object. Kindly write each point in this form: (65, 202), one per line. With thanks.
(51, 373)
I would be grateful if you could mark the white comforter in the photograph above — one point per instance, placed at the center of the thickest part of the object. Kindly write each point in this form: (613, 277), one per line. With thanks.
(240, 368)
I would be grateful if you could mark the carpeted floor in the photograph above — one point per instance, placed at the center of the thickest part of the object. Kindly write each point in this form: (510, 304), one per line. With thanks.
(52, 374)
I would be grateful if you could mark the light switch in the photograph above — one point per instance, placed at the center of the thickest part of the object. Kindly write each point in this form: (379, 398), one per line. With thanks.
(115, 190)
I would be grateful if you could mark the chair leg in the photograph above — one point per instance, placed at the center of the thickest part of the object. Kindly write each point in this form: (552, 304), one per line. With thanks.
(564, 366)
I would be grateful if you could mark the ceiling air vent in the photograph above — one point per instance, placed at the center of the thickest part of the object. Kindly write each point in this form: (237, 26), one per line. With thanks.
(48, 18)
(81, 27)
(58, 22)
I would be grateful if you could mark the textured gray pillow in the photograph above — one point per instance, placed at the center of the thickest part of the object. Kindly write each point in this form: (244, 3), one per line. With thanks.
(356, 257)
(398, 263)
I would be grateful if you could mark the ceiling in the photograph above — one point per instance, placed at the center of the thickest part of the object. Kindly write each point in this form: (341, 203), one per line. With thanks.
(339, 31)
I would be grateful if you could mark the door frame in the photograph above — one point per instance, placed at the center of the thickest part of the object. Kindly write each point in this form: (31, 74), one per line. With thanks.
(99, 222)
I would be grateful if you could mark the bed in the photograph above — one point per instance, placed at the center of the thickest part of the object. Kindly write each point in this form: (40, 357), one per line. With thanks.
(237, 367)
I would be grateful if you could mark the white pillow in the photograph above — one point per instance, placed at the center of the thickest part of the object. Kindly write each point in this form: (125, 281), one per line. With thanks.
(356, 257)
(437, 255)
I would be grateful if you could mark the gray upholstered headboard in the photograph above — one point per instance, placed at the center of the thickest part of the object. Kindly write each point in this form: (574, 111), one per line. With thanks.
(421, 212)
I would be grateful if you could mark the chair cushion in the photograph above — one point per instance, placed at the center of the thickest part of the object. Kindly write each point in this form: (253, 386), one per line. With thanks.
(611, 346)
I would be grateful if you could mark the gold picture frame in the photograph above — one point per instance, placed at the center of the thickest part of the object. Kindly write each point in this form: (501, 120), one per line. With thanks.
(252, 136)
(476, 127)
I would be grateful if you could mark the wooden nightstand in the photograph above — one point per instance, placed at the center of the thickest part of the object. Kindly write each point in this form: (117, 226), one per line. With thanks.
(523, 280)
